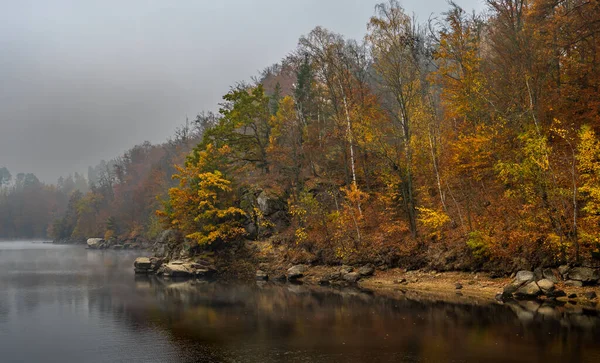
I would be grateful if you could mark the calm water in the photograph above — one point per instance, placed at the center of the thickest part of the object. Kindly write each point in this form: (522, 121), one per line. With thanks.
(68, 304)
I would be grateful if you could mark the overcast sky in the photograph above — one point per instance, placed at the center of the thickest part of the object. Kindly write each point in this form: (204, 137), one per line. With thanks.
(84, 80)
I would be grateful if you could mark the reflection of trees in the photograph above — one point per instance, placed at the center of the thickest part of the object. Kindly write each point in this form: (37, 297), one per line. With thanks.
(237, 318)
(268, 322)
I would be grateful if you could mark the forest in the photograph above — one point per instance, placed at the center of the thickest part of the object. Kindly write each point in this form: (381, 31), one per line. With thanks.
(468, 140)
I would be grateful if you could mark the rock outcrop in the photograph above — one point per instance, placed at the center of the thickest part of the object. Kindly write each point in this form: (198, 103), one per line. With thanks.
(528, 284)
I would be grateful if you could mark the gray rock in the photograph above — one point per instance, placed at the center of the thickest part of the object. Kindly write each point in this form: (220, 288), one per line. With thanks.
(177, 270)
(142, 263)
(346, 269)
(563, 269)
(268, 204)
(366, 270)
(169, 236)
(94, 243)
(524, 276)
(538, 274)
(351, 277)
(529, 290)
(261, 275)
(512, 287)
(551, 275)
(583, 274)
(296, 272)
(546, 285)
(573, 283)
(591, 295)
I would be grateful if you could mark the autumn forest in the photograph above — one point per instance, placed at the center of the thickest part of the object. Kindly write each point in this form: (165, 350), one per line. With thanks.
(465, 141)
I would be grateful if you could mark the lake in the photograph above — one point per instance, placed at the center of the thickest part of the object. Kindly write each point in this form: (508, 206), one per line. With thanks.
(69, 304)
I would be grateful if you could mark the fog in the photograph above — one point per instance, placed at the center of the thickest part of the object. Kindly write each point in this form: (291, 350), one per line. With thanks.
(85, 80)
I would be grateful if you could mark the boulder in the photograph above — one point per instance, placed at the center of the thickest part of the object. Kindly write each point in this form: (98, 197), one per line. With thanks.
(261, 275)
(346, 269)
(142, 263)
(94, 243)
(366, 270)
(351, 277)
(169, 236)
(269, 204)
(524, 276)
(573, 283)
(551, 275)
(296, 272)
(546, 285)
(176, 270)
(511, 288)
(591, 295)
(538, 274)
(330, 278)
(583, 274)
(529, 290)
(563, 269)
(117, 247)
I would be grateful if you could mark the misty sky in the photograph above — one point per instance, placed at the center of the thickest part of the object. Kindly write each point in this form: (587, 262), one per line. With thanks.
(84, 80)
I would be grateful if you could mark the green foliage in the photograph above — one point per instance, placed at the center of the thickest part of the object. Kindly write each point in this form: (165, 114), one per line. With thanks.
(478, 243)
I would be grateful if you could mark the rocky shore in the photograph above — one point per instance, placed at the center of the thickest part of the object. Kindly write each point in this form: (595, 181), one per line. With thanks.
(564, 285)
(114, 244)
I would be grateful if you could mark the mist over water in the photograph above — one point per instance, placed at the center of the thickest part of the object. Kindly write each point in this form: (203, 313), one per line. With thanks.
(75, 305)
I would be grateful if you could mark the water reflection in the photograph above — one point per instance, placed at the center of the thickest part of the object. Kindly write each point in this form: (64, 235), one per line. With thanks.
(79, 305)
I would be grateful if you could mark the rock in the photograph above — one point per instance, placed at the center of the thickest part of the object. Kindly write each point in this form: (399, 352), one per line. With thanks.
(328, 279)
(366, 270)
(590, 295)
(346, 269)
(563, 269)
(583, 274)
(117, 247)
(261, 275)
(296, 272)
(538, 274)
(458, 286)
(546, 285)
(94, 243)
(142, 263)
(169, 236)
(572, 296)
(512, 287)
(551, 275)
(573, 283)
(529, 290)
(176, 262)
(400, 281)
(524, 276)
(176, 270)
(269, 204)
(351, 277)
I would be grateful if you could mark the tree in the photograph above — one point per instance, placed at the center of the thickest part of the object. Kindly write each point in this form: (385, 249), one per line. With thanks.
(394, 43)
(203, 206)
(5, 176)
